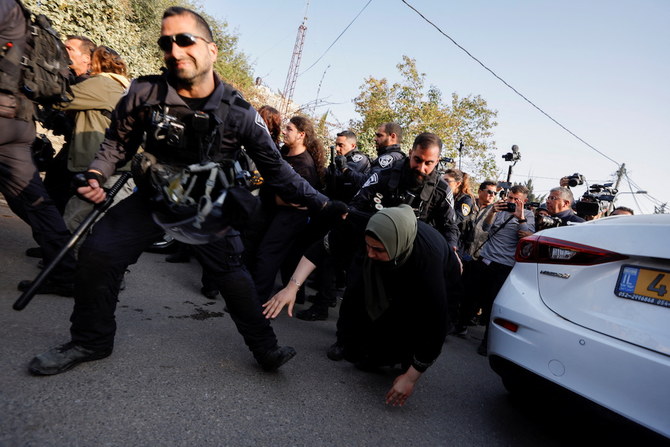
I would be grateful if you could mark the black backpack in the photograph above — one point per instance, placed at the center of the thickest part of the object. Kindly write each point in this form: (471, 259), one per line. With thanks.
(42, 67)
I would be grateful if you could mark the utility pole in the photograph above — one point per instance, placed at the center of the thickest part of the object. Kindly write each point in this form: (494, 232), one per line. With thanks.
(292, 75)
(619, 175)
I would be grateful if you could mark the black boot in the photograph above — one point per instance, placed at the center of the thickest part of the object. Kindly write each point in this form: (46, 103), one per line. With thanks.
(314, 313)
(61, 358)
(274, 358)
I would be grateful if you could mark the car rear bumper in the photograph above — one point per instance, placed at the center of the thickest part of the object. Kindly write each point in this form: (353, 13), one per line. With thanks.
(624, 378)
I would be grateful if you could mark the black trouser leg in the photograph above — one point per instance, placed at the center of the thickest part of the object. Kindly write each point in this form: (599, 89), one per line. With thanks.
(26, 196)
(117, 241)
(222, 264)
(275, 247)
(495, 274)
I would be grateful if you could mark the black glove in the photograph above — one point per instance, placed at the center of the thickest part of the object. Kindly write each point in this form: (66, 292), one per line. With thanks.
(92, 175)
(341, 162)
(334, 211)
(332, 170)
(81, 179)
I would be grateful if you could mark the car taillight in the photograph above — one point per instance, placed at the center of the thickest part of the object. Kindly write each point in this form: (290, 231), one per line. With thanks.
(547, 250)
(513, 327)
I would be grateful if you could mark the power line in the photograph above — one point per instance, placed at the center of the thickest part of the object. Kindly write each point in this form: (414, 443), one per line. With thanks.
(338, 38)
(634, 194)
(508, 85)
(637, 187)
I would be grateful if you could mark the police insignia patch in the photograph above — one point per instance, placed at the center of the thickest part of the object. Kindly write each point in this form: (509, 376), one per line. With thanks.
(371, 181)
(465, 209)
(385, 161)
(260, 122)
(356, 158)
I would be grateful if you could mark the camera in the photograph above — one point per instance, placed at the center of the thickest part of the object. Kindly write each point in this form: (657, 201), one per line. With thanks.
(168, 128)
(604, 192)
(515, 155)
(544, 222)
(509, 207)
(591, 203)
(443, 164)
(576, 179)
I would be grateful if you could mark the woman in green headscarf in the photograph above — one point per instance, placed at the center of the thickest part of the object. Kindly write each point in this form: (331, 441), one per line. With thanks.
(395, 308)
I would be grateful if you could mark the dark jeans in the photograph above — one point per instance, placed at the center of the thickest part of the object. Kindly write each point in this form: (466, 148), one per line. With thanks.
(494, 275)
(475, 289)
(280, 249)
(24, 191)
(118, 240)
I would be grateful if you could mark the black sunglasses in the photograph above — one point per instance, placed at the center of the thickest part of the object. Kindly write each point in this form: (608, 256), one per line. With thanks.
(181, 39)
(489, 192)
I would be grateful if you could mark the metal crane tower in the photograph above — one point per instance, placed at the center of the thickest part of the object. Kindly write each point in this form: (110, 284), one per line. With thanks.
(292, 76)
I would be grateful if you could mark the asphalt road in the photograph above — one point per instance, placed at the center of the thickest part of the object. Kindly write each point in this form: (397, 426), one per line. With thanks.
(180, 375)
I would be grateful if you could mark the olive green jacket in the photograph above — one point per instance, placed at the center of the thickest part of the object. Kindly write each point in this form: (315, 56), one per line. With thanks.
(94, 100)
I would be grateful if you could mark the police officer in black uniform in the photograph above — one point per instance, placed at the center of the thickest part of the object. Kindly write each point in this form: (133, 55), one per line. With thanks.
(344, 177)
(20, 182)
(188, 116)
(416, 182)
(387, 141)
(349, 169)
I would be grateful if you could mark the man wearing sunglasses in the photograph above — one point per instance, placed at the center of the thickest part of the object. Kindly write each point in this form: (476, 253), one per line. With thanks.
(185, 117)
(471, 241)
(473, 235)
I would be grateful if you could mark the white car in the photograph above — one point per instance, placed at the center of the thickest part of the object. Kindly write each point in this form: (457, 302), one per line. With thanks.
(587, 307)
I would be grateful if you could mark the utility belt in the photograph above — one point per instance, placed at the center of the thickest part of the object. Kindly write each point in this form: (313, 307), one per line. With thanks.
(203, 198)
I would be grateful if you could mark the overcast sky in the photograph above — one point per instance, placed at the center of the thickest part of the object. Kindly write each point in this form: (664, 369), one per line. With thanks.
(599, 68)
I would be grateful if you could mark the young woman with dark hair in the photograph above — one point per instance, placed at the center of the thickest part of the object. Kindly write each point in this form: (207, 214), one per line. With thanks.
(287, 233)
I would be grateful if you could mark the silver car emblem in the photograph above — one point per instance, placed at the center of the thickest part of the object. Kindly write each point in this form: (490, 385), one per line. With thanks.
(556, 274)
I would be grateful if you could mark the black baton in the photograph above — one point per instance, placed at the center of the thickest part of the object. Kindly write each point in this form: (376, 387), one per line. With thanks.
(99, 209)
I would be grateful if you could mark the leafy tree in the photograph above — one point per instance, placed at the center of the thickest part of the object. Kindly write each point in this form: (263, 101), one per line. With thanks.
(531, 192)
(418, 109)
(131, 28)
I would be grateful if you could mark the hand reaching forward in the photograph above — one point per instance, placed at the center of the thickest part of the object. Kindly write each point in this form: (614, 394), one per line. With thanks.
(284, 297)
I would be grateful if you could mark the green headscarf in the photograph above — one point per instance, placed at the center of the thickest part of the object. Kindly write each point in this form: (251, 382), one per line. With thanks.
(396, 229)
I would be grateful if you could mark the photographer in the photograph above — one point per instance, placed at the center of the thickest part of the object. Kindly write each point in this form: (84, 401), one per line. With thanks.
(559, 205)
(506, 224)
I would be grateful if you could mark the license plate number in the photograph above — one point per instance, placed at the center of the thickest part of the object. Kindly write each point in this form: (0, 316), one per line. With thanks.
(644, 284)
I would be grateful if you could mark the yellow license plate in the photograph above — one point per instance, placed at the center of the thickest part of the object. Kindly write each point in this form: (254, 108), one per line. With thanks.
(643, 284)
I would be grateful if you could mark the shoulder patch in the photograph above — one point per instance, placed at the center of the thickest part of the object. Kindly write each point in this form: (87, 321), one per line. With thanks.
(373, 180)
(356, 158)
(260, 122)
(465, 209)
(385, 161)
